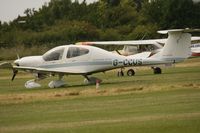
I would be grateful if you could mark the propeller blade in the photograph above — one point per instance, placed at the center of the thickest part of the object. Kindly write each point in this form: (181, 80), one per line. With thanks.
(18, 57)
(14, 74)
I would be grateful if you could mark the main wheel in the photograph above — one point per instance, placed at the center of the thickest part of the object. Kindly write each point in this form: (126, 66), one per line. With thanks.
(130, 72)
(157, 70)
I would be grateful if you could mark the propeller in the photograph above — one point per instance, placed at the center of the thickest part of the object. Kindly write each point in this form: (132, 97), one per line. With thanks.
(14, 74)
(17, 64)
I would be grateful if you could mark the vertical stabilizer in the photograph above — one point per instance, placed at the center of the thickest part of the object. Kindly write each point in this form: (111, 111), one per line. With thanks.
(177, 46)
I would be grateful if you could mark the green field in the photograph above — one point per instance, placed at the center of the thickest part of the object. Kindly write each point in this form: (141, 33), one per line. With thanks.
(145, 103)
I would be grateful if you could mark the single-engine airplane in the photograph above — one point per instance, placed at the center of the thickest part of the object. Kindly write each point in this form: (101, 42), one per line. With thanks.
(195, 48)
(86, 60)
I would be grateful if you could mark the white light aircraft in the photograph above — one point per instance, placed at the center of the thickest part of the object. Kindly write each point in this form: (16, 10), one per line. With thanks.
(86, 60)
(195, 48)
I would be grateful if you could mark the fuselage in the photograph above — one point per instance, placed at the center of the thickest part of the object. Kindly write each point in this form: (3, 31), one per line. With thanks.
(79, 59)
(195, 49)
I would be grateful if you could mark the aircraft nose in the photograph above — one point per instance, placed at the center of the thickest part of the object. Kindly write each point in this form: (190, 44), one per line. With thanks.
(16, 62)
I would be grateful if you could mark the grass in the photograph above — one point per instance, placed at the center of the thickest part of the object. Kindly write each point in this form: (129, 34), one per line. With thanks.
(145, 103)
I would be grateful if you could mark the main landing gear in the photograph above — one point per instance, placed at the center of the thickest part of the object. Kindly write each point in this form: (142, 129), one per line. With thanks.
(120, 73)
(130, 72)
(57, 83)
(157, 70)
(32, 84)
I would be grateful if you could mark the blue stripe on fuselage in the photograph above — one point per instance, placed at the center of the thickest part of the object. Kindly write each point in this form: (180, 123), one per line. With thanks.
(76, 64)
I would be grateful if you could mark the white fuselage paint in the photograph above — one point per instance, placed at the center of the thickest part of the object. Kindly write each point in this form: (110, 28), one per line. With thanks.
(95, 61)
(195, 49)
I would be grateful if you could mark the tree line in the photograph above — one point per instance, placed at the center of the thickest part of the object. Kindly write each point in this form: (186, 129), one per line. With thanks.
(63, 21)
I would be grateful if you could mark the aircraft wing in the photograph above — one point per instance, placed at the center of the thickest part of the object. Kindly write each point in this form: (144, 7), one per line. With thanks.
(136, 42)
(195, 39)
(156, 42)
(43, 70)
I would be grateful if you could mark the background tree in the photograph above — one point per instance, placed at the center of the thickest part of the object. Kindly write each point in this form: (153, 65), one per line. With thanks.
(64, 21)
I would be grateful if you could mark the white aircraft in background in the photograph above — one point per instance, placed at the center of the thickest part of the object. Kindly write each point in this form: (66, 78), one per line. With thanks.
(195, 48)
(86, 60)
(135, 47)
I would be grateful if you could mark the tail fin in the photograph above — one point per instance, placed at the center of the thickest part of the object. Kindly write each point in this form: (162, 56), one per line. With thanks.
(177, 46)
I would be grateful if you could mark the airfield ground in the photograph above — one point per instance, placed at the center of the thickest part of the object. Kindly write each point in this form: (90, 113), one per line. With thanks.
(145, 103)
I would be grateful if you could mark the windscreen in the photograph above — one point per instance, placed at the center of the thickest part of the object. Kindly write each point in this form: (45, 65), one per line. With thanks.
(54, 54)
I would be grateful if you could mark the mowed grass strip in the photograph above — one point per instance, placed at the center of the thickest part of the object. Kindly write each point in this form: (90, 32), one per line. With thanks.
(154, 110)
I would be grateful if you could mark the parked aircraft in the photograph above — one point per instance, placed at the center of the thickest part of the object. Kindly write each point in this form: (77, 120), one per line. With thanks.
(195, 48)
(134, 47)
(86, 60)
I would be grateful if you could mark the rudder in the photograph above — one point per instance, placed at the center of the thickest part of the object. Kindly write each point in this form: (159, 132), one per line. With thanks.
(177, 46)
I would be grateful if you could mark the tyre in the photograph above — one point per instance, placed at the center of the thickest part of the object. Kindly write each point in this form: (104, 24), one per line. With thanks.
(157, 70)
(130, 72)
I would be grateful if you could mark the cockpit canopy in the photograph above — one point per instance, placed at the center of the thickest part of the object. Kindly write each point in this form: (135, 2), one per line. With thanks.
(57, 53)
(76, 51)
(54, 54)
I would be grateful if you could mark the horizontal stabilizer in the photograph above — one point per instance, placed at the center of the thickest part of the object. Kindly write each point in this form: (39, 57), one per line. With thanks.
(179, 30)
